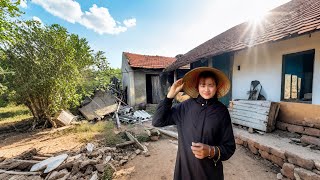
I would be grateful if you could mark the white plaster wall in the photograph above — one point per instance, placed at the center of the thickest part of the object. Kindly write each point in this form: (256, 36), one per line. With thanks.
(264, 63)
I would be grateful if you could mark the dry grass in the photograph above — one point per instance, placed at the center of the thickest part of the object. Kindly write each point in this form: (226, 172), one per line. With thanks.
(103, 130)
(13, 113)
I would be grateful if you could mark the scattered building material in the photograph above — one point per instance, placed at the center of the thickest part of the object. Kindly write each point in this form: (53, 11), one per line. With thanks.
(127, 143)
(168, 133)
(65, 118)
(129, 117)
(142, 147)
(83, 164)
(117, 116)
(49, 164)
(101, 105)
(106, 110)
(19, 173)
(260, 115)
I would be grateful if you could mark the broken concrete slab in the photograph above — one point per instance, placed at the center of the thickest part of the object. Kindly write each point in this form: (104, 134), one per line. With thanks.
(65, 118)
(100, 101)
(49, 164)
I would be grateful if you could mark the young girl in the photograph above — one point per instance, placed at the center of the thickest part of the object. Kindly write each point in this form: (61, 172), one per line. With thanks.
(204, 125)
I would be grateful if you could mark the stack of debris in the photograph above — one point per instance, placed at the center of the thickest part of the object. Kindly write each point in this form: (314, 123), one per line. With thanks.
(260, 115)
(89, 162)
(128, 116)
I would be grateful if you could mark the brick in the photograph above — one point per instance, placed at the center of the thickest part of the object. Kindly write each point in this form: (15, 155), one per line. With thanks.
(278, 152)
(295, 128)
(239, 141)
(310, 140)
(288, 170)
(252, 148)
(306, 175)
(312, 131)
(264, 154)
(297, 160)
(263, 147)
(276, 160)
(282, 125)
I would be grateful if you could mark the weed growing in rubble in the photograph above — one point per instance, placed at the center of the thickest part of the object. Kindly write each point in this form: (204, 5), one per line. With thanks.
(108, 172)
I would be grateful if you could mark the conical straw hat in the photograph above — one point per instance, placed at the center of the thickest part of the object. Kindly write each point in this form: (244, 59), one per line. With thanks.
(191, 79)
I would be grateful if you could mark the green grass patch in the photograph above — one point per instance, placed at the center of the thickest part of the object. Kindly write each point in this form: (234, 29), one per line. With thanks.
(13, 113)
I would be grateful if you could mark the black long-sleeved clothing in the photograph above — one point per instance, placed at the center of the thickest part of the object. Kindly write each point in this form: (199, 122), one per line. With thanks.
(198, 120)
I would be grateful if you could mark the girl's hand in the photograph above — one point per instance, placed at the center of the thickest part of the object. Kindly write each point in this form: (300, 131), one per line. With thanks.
(175, 89)
(200, 150)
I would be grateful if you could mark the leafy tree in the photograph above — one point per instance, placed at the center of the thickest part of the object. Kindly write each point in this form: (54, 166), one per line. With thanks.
(47, 63)
(8, 11)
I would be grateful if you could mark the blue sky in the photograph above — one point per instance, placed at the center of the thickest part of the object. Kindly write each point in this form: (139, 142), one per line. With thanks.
(152, 27)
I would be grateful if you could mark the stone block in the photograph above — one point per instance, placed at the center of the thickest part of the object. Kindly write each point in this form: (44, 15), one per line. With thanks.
(312, 131)
(278, 152)
(306, 175)
(310, 140)
(295, 128)
(297, 160)
(288, 170)
(252, 148)
(276, 160)
(263, 147)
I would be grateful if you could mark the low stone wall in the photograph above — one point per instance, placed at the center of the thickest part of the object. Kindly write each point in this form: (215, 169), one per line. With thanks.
(294, 166)
(309, 135)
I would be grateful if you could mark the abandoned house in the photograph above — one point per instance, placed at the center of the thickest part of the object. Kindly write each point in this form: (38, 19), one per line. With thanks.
(141, 77)
(281, 51)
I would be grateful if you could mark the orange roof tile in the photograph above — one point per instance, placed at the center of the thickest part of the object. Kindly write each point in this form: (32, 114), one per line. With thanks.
(146, 61)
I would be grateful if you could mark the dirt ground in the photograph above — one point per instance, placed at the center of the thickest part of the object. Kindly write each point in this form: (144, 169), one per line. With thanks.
(15, 144)
(160, 165)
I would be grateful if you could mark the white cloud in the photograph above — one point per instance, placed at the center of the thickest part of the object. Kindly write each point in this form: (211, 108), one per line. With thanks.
(23, 4)
(97, 18)
(100, 20)
(130, 22)
(35, 18)
(68, 10)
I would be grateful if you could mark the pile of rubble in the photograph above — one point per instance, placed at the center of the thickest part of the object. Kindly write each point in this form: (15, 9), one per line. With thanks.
(89, 162)
(128, 116)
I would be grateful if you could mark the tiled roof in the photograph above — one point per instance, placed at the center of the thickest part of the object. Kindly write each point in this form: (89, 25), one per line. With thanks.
(146, 61)
(289, 20)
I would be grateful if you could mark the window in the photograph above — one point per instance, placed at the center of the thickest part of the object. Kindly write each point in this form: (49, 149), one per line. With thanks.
(297, 77)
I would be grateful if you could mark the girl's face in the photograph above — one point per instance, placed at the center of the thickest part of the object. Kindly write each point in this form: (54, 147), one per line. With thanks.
(207, 87)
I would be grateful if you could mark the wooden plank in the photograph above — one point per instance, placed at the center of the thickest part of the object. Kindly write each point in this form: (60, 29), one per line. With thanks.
(249, 124)
(142, 147)
(274, 109)
(19, 173)
(248, 119)
(255, 115)
(262, 110)
(256, 102)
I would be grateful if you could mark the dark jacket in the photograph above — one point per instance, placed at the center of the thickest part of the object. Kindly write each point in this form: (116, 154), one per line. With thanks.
(198, 120)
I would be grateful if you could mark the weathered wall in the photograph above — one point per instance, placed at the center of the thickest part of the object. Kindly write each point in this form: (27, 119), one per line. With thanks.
(140, 84)
(128, 80)
(300, 114)
(264, 63)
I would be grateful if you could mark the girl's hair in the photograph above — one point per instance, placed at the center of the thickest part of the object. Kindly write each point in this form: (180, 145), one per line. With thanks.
(208, 74)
